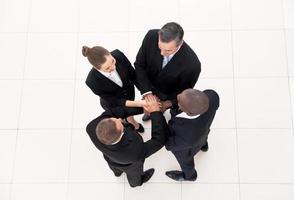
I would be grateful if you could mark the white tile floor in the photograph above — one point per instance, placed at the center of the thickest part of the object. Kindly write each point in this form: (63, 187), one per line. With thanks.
(247, 52)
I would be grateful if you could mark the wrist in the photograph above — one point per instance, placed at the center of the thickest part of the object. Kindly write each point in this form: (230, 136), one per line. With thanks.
(142, 103)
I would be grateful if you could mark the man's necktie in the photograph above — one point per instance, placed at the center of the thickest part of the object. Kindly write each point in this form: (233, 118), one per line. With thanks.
(165, 61)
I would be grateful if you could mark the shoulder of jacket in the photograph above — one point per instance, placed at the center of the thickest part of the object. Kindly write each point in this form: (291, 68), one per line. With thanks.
(116, 53)
(153, 33)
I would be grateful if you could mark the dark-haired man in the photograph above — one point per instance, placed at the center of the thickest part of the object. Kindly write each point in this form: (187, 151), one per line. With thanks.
(189, 130)
(123, 148)
(166, 65)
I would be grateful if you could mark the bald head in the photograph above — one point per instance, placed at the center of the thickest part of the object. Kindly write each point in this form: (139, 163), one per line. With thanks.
(107, 131)
(193, 102)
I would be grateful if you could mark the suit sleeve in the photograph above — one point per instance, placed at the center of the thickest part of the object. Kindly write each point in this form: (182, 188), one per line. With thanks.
(107, 97)
(124, 112)
(159, 132)
(143, 82)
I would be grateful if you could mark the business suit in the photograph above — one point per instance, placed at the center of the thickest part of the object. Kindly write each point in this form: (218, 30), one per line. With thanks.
(188, 136)
(129, 153)
(180, 73)
(112, 96)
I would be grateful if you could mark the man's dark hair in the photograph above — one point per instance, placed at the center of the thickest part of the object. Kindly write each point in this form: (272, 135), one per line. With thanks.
(171, 31)
(107, 132)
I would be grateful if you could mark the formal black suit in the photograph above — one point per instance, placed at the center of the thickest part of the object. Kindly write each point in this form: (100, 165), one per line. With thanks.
(187, 136)
(181, 72)
(112, 96)
(129, 153)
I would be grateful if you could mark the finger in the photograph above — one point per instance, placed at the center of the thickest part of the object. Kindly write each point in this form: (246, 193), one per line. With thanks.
(152, 98)
(148, 98)
(145, 107)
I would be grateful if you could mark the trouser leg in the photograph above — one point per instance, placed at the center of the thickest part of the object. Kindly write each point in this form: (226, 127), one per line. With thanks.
(134, 174)
(185, 159)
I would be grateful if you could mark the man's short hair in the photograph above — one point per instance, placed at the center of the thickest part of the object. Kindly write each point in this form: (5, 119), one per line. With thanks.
(193, 102)
(171, 31)
(107, 132)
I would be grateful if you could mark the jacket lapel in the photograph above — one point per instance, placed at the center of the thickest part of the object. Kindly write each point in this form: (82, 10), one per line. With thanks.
(104, 81)
(122, 73)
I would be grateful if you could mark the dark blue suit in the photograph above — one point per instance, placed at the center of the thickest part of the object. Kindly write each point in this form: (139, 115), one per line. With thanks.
(187, 136)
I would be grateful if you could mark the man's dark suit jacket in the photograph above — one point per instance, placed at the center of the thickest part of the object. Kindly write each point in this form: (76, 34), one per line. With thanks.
(181, 72)
(112, 96)
(131, 148)
(192, 133)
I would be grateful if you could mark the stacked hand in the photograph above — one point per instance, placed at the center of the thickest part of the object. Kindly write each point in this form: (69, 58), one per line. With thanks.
(150, 94)
(165, 105)
(151, 103)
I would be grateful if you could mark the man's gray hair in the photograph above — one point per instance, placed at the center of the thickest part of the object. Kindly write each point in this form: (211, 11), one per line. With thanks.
(171, 31)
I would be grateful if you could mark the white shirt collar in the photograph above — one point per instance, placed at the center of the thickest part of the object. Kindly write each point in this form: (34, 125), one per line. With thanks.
(184, 115)
(114, 77)
(106, 74)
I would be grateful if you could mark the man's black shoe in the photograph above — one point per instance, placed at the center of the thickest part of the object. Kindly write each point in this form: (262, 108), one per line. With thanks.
(180, 176)
(204, 148)
(117, 174)
(146, 117)
(175, 175)
(147, 175)
(140, 129)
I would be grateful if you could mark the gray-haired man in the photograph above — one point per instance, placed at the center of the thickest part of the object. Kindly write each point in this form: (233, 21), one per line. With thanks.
(166, 65)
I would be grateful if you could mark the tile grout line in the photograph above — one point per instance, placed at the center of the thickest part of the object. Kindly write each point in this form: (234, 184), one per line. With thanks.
(141, 30)
(205, 77)
(181, 194)
(73, 100)
(179, 11)
(129, 53)
(180, 21)
(147, 128)
(124, 192)
(287, 64)
(234, 96)
(149, 183)
(22, 80)
(129, 27)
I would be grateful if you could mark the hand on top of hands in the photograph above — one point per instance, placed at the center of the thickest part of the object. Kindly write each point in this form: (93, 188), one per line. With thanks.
(151, 103)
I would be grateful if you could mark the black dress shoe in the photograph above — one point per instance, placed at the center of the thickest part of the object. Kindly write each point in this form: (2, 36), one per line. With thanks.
(140, 129)
(204, 148)
(180, 176)
(176, 175)
(117, 174)
(147, 175)
(192, 178)
(146, 117)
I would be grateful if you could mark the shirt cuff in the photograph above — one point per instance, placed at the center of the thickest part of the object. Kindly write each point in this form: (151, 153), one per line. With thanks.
(149, 92)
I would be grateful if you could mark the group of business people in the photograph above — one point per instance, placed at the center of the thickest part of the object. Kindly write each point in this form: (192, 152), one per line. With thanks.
(166, 71)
